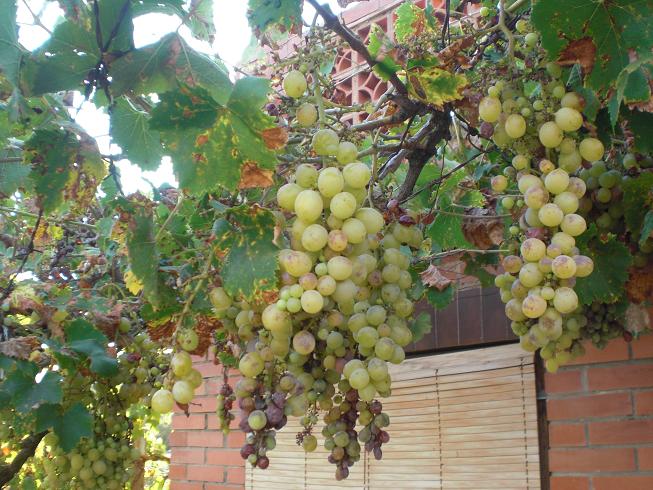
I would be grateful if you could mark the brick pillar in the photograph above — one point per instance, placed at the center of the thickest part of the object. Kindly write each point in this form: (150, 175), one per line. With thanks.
(203, 458)
(600, 419)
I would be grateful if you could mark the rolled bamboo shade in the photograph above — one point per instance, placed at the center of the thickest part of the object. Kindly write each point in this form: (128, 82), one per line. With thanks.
(464, 420)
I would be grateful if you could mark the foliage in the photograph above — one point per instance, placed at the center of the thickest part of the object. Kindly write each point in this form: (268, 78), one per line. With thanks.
(101, 291)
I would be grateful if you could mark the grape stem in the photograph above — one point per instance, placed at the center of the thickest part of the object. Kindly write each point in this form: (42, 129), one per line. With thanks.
(175, 210)
(504, 28)
(28, 447)
(462, 250)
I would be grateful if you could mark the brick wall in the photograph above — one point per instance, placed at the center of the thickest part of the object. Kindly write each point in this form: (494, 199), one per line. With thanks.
(600, 416)
(202, 457)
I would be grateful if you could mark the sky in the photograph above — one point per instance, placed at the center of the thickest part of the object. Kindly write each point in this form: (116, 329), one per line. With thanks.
(232, 37)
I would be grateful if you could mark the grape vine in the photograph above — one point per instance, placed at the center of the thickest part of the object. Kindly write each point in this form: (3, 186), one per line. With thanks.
(301, 229)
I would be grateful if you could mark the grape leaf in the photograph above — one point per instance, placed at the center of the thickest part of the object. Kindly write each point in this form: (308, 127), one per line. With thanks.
(410, 21)
(263, 14)
(158, 67)
(611, 262)
(10, 51)
(420, 326)
(251, 263)
(83, 338)
(170, 7)
(144, 256)
(116, 20)
(435, 86)
(380, 46)
(51, 153)
(613, 27)
(13, 175)
(70, 426)
(25, 392)
(440, 299)
(72, 51)
(641, 125)
(637, 200)
(200, 20)
(647, 228)
(228, 136)
(130, 129)
(475, 265)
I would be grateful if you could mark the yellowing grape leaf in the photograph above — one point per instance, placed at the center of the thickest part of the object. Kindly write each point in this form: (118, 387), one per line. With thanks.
(208, 142)
(435, 86)
(411, 21)
(380, 46)
(263, 14)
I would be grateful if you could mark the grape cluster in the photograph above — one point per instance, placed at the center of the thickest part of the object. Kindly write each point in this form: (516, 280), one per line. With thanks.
(341, 313)
(183, 377)
(106, 461)
(225, 398)
(543, 134)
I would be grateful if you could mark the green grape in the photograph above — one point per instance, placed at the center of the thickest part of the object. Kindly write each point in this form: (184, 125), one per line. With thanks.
(565, 300)
(533, 306)
(489, 109)
(340, 268)
(182, 391)
(257, 420)
(325, 142)
(308, 205)
(312, 301)
(355, 230)
(359, 378)
(162, 401)
(356, 175)
(603, 195)
(372, 219)
(306, 115)
(530, 275)
(568, 119)
(550, 215)
(532, 249)
(563, 267)
(347, 152)
(550, 135)
(343, 205)
(515, 126)
(571, 100)
(219, 298)
(181, 364)
(251, 364)
(314, 238)
(573, 224)
(536, 197)
(557, 181)
(294, 262)
(294, 84)
(591, 149)
(584, 265)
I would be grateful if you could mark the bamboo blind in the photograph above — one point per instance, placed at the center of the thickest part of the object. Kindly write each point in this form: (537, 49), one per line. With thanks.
(465, 420)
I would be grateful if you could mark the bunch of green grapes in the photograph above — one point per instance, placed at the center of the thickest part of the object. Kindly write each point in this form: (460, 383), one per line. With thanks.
(105, 461)
(179, 385)
(543, 133)
(342, 308)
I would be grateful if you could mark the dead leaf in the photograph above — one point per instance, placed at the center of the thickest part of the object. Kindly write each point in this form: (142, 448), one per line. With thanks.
(252, 176)
(453, 55)
(581, 51)
(432, 277)
(275, 138)
(19, 347)
(482, 228)
(639, 287)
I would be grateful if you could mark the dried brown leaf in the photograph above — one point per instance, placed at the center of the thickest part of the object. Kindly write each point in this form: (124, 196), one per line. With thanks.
(275, 138)
(581, 51)
(432, 277)
(19, 347)
(482, 228)
(252, 176)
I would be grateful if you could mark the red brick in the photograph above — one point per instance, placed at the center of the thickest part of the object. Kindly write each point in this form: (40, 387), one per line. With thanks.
(581, 407)
(642, 348)
(215, 486)
(204, 438)
(625, 482)
(205, 473)
(644, 403)
(226, 457)
(566, 435)
(194, 421)
(616, 350)
(621, 432)
(235, 439)
(179, 485)
(208, 369)
(591, 460)
(178, 438)
(198, 359)
(236, 475)
(187, 455)
(645, 458)
(622, 376)
(568, 381)
(202, 404)
(569, 483)
(177, 472)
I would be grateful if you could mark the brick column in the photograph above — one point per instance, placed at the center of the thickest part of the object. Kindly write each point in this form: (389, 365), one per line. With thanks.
(600, 417)
(203, 458)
